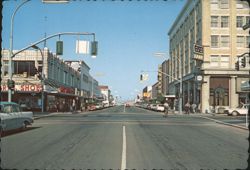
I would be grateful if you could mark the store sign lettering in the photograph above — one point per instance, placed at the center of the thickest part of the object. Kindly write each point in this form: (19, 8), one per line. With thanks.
(29, 87)
(66, 90)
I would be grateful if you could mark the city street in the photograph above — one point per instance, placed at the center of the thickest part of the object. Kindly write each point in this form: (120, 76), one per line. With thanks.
(131, 138)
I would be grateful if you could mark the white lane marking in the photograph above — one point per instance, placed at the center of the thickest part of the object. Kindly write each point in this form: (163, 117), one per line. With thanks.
(123, 164)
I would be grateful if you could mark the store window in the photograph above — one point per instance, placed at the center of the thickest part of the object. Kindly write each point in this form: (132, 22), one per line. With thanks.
(224, 21)
(214, 21)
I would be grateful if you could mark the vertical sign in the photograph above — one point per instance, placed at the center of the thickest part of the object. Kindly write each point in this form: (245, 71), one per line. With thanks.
(82, 47)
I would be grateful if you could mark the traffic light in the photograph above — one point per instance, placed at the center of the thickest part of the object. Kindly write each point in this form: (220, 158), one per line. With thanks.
(141, 77)
(11, 84)
(237, 66)
(243, 62)
(94, 48)
(59, 48)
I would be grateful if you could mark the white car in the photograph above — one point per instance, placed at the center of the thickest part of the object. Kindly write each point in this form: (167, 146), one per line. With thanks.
(160, 107)
(237, 111)
(12, 116)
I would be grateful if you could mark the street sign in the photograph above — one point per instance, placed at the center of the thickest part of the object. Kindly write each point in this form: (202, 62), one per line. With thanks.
(199, 77)
(198, 57)
(198, 49)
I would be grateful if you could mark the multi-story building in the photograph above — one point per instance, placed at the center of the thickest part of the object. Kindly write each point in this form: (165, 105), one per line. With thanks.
(63, 84)
(216, 25)
(106, 93)
(155, 90)
(165, 77)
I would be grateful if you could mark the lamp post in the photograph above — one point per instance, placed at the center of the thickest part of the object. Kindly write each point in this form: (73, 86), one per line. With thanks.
(42, 77)
(11, 47)
(160, 54)
(11, 38)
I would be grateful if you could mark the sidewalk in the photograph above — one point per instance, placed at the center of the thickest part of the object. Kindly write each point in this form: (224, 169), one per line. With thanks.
(38, 115)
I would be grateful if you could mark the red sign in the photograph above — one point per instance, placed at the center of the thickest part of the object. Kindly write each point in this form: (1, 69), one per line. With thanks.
(26, 88)
(66, 90)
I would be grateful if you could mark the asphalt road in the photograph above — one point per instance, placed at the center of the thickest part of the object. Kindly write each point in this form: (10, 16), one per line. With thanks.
(131, 138)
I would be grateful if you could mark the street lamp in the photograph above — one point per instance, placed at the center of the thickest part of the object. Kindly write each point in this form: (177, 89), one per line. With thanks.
(42, 77)
(160, 54)
(11, 38)
(11, 47)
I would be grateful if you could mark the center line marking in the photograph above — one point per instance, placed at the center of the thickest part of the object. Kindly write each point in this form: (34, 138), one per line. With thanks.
(123, 165)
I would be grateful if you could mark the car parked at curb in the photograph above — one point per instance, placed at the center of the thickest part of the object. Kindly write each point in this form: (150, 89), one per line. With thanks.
(160, 108)
(243, 110)
(12, 116)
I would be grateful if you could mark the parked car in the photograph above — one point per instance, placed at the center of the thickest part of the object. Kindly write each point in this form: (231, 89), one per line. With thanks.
(243, 110)
(12, 116)
(98, 106)
(153, 106)
(160, 107)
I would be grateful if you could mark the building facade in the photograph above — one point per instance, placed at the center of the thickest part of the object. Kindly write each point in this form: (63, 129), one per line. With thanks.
(63, 83)
(215, 25)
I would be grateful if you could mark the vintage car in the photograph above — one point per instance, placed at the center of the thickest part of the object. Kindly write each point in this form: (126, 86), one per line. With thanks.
(12, 116)
(243, 110)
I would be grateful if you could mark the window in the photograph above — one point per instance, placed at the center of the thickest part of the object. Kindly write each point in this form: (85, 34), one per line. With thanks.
(65, 77)
(25, 66)
(247, 41)
(214, 61)
(224, 41)
(224, 4)
(247, 20)
(214, 21)
(214, 41)
(224, 21)
(224, 61)
(239, 21)
(240, 41)
(241, 4)
(214, 4)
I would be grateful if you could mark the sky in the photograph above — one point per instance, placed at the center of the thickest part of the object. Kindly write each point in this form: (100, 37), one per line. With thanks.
(129, 33)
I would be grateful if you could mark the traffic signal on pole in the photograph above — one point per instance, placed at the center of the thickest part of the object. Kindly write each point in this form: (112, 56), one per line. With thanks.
(11, 84)
(94, 48)
(237, 66)
(59, 48)
(243, 62)
(141, 77)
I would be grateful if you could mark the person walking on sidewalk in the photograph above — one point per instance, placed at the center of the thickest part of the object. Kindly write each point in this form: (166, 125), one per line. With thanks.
(166, 108)
(187, 108)
(194, 107)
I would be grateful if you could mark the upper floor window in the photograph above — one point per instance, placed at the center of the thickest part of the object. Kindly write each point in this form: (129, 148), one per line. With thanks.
(20, 67)
(214, 21)
(247, 41)
(241, 4)
(214, 4)
(224, 41)
(240, 41)
(239, 22)
(214, 40)
(224, 4)
(224, 21)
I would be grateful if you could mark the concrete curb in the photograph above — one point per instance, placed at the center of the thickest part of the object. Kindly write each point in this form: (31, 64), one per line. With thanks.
(224, 123)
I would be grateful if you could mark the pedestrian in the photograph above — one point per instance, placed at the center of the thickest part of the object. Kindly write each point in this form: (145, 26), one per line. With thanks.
(187, 107)
(166, 108)
(194, 107)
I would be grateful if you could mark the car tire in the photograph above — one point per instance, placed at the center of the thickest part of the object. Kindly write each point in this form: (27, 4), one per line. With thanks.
(234, 113)
(25, 124)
